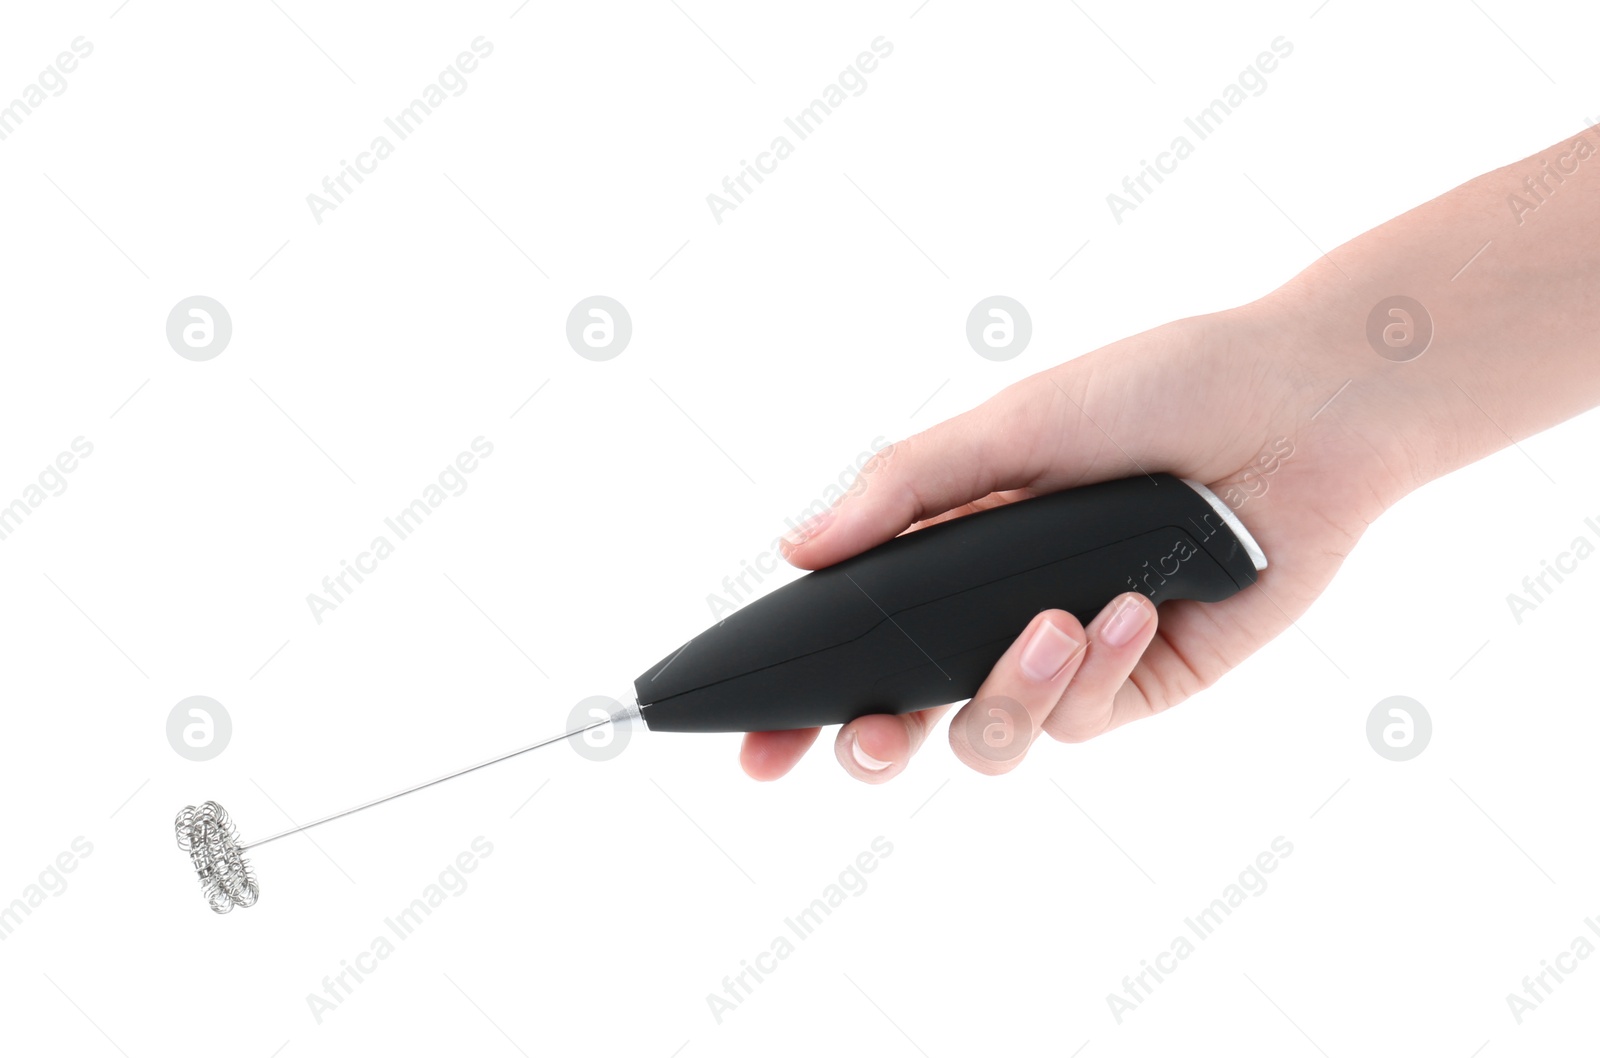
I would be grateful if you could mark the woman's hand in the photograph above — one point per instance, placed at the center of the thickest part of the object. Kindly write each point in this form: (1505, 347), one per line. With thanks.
(1309, 412)
(1233, 400)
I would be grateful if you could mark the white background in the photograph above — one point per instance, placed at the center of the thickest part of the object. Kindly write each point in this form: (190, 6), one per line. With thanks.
(369, 349)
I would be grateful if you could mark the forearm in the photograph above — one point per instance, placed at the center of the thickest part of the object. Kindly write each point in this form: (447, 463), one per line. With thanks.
(1507, 267)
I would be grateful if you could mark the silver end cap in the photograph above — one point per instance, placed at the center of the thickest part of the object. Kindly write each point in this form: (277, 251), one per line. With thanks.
(1258, 557)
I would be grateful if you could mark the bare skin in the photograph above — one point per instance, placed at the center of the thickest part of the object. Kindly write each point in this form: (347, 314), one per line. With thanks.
(1514, 351)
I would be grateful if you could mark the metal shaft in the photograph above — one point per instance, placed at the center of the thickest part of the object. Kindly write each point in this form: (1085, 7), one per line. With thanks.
(624, 714)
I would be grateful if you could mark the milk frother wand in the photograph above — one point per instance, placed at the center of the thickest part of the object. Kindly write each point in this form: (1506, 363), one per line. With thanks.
(915, 622)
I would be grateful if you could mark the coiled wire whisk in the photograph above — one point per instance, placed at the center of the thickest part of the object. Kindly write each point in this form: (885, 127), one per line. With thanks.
(212, 842)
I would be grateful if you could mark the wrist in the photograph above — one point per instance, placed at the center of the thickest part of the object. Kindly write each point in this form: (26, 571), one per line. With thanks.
(1349, 416)
(1462, 326)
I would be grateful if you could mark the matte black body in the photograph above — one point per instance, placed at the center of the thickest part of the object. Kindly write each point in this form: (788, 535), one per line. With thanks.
(920, 620)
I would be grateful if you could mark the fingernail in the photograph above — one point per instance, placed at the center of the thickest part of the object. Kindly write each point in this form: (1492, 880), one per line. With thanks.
(862, 758)
(1125, 623)
(807, 529)
(1047, 652)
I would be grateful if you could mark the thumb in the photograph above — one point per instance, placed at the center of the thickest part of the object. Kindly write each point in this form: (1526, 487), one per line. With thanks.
(1030, 435)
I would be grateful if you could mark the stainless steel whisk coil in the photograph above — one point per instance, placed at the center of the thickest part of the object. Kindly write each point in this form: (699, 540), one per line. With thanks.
(212, 842)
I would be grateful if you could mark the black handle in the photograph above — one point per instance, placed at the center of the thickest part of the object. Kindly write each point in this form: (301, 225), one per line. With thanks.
(920, 620)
